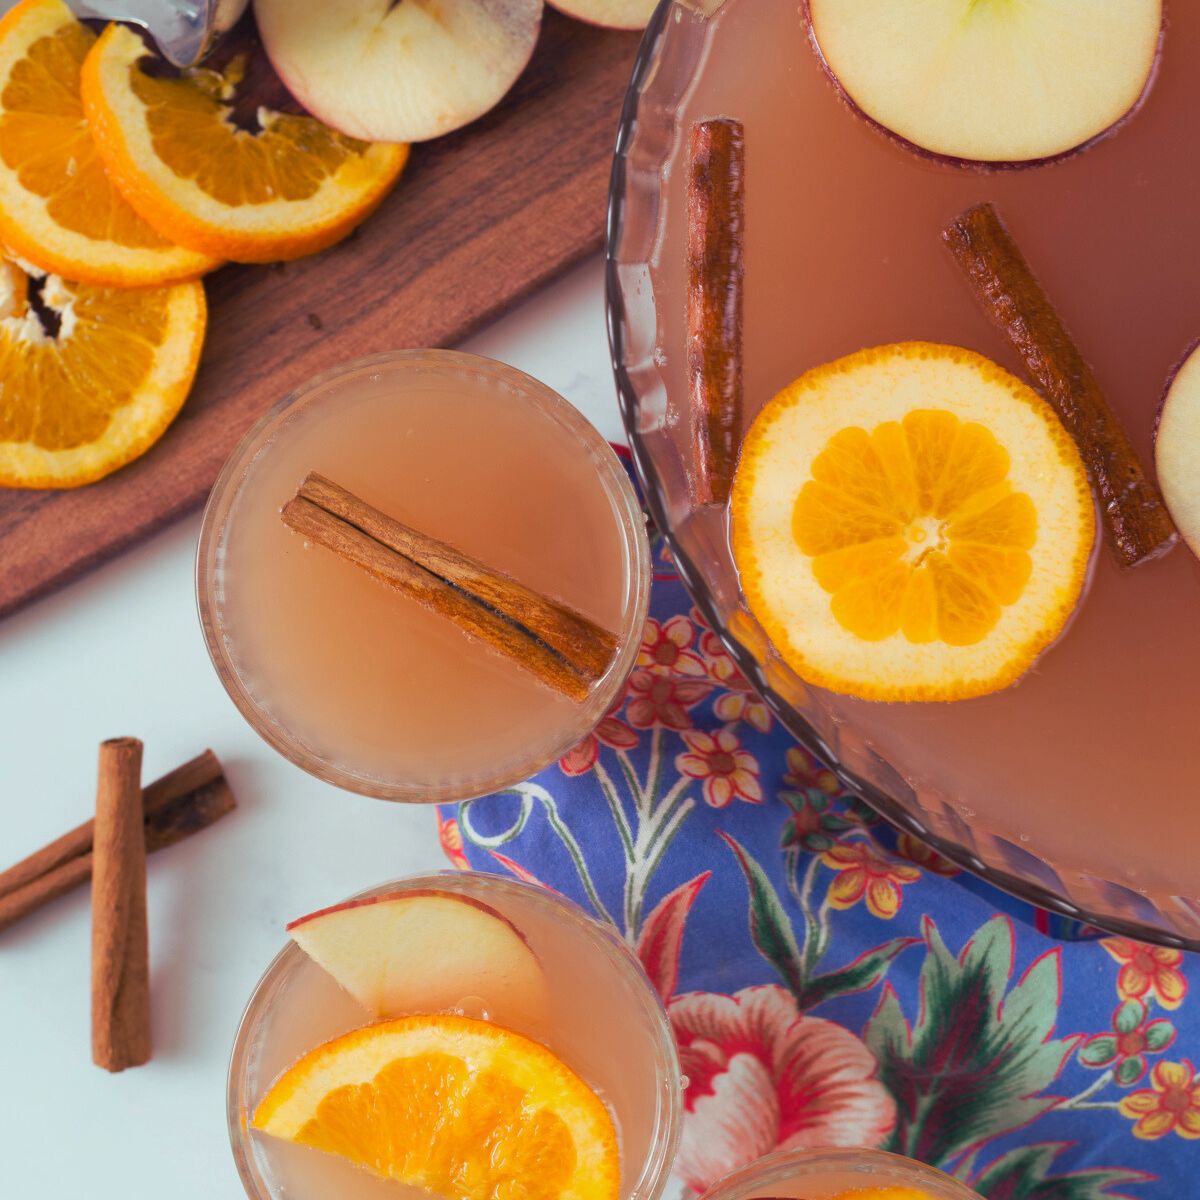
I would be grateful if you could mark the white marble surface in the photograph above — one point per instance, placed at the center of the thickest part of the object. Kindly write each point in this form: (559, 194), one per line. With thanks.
(120, 652)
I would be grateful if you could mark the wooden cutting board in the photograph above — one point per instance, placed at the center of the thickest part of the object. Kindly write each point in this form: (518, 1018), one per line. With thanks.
(479, 220)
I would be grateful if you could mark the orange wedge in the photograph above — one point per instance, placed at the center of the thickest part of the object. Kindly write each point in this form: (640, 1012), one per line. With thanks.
(462, 1108)
(169, 143)
(92, 376)
(58, 208)
(911, 523)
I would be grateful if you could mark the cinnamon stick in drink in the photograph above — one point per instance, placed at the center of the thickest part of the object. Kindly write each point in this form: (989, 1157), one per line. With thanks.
(120, 943)
(716, 207)
(182, 802)
(558, 645)
(1135, 518)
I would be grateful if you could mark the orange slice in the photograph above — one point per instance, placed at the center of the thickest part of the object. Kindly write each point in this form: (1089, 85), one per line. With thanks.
(911, 523)
(92, 376)
(58, 208)
(170, 145)
(465, 1109)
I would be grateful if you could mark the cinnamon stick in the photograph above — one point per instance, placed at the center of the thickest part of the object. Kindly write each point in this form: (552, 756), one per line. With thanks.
(185, 800)
(1135, 518)
(120, 945)
(561, 647)
(716, 189)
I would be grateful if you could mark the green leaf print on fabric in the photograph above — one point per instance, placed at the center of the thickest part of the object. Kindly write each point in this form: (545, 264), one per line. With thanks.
(1026, 1174)
(975, 1062)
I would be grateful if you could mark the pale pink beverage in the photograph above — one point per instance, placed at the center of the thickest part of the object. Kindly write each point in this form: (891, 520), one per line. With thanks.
(361, 684)
(602, 1018)
(838, 1175)
(1088, 764)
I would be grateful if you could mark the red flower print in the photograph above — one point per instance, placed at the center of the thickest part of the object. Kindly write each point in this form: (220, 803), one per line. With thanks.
(761, 1076)
(740, 702)
(864, 872)
(666, 648)
(1170, 1104)
(804, 772)
(916, 851)
(661, 700)
(728, 771)
(1148, 970)
(580, 759)
(450, 836)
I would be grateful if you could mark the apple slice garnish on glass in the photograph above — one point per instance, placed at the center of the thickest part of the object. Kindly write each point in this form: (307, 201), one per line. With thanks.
(611, 14)
(426, 951)
(400, 72)
(991, 80)
(1177, 449)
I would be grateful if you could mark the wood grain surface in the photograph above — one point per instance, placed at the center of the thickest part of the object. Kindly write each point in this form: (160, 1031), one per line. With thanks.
(480, 220)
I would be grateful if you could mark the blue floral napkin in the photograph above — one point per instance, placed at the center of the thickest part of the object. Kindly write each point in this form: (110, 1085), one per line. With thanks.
(829, 982)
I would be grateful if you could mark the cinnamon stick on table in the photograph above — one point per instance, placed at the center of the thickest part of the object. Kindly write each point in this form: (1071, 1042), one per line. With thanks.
(120, 946)
(561, 647)
(179, 804)
(1135, 517)
(716, 206)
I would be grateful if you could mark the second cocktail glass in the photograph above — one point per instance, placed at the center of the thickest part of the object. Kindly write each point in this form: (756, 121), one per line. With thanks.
(590, 1004)
(363, 685)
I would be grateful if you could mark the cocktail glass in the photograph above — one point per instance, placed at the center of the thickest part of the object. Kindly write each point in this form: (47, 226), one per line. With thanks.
(841, 1174)
(360, 685)
(603, 1018)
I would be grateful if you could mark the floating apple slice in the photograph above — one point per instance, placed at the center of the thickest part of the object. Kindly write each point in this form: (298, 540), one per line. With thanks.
(398, 72)
(612, 14)
(424, 951)
(1177, 450)
(991, 80)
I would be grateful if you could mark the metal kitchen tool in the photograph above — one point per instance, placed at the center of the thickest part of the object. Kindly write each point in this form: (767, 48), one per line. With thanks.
(184, 30)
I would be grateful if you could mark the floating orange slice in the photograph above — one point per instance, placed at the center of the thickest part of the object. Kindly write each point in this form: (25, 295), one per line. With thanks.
(92, 376)
(462, 1108)
(58, 208)
(171, 146)
(911, 523)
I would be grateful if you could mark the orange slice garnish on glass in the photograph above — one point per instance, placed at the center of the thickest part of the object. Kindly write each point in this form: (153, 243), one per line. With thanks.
(58, 208)
(292, 187)
(911, 522)
(462, 1108)
(92, 376)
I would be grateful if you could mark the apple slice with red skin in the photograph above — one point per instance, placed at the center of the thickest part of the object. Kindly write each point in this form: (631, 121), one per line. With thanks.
(1177, 449)
(398, 70)
(611, 14)
(991, 80)
(425, 951)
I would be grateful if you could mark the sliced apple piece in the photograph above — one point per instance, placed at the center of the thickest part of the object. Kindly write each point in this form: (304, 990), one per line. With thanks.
(424, 951)
(398, 70)
(991, 80)
(1177, 450)
(612, 14)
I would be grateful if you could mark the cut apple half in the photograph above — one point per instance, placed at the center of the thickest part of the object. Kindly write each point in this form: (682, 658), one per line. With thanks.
(398, 70)
(991, 80)
(425, 952)
(611, 14)
(1177, 450)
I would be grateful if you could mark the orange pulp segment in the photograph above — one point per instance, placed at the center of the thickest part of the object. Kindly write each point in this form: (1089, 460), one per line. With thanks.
(911, 523)
(58, 208)
(462, 1108)
(169, 142)
(93, 380)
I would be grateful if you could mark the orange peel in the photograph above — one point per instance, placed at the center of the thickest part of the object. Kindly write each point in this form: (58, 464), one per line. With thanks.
(292, 188)
(462, 1108)
(58, 208)
(911, 523)
(94, 379)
